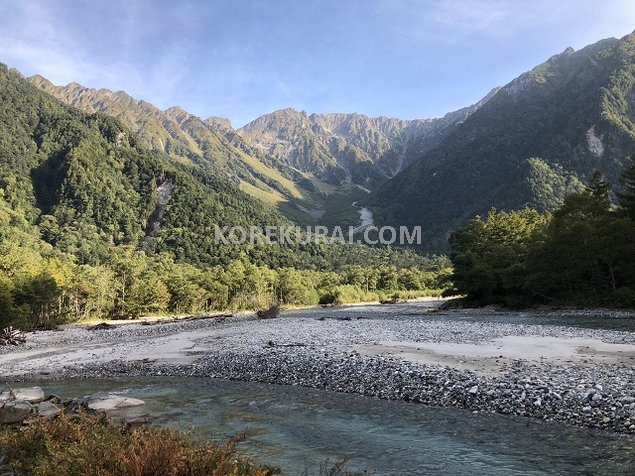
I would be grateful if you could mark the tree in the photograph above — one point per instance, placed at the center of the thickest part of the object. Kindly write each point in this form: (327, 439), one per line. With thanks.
(586, 253)
(489, 255)
(627, 194)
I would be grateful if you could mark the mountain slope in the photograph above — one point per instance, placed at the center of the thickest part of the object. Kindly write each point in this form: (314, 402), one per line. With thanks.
(210, 143)
(572, 115)
(342, 148)
(83, 183)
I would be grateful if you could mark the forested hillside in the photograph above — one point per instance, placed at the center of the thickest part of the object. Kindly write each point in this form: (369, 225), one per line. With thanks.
(581, 254)
(94, 224)
(537, 139)
(211, 144)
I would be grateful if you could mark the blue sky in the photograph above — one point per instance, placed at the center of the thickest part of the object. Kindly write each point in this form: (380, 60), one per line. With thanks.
(243, 58)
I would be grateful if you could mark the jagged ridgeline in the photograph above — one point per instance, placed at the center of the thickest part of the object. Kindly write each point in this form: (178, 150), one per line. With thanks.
(536, 140)
(83, 183)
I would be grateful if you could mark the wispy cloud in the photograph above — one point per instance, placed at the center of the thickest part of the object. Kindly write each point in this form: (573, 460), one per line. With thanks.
(241, 58)
(44, 37)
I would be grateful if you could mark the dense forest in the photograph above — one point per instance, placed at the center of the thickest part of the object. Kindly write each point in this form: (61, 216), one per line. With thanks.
(93, 224)
(583, 253)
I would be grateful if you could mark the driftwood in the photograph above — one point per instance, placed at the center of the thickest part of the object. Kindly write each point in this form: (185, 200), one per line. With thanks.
(271, 313)
(100, 327)
(11, 336)
(295, 344)
(220, 317)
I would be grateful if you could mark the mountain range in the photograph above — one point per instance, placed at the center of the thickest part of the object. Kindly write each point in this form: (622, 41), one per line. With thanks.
(528, 143)
(288, 158)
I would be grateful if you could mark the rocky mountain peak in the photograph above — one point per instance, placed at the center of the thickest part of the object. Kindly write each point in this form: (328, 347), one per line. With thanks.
(219, 123)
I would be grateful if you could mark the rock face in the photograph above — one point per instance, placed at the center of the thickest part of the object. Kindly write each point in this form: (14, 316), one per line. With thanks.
(353, 148)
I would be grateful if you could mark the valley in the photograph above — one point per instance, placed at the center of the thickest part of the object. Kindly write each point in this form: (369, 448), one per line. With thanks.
(502, 343)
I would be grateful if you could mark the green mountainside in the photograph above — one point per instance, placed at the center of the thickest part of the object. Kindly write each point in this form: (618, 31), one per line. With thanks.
(311, 168)
(211, 144)
(536, 140)
(87, 184)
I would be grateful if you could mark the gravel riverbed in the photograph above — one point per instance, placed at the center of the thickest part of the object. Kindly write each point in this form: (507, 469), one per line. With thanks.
(535, 364)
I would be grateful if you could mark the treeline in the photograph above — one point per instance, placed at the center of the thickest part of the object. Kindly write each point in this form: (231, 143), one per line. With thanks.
(40, 290)
(583, 253)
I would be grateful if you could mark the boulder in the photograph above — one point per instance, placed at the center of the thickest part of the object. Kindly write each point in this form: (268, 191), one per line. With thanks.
(113, 402)
(48, 409)
(14, 412)
(28, 394)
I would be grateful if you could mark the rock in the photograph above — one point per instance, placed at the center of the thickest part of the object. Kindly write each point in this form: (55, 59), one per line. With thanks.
(596, 397)
(28, 394)
(473, 390)
(53, 399)
(48, 409)
(538, 402)
(14, 412)
(113, 402)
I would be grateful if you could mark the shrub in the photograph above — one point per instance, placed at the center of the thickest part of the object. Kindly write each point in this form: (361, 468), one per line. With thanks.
(95, 446)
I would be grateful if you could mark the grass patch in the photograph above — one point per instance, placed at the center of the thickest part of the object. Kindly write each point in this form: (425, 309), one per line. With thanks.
(95, 446)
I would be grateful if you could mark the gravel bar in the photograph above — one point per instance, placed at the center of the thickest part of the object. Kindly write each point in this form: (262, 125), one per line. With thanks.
(323, 348)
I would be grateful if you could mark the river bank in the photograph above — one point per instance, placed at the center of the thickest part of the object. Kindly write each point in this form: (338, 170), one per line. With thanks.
(542, 365)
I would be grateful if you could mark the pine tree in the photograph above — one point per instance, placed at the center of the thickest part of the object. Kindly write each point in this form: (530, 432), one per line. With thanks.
(627, 194)
(599, 187)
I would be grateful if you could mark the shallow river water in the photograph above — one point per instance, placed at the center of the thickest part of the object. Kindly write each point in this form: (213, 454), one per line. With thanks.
(298, 429)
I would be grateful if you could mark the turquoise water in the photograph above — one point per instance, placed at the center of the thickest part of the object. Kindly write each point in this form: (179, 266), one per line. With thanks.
(298, 429)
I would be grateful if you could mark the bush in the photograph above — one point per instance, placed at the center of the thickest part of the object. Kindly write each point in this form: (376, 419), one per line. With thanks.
(328, 298)
(95, 446)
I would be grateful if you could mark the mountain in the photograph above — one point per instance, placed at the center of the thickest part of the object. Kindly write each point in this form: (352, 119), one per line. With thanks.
(311, 168)
(538, 138)
(348, 148)
(84, 184)
(212, 143)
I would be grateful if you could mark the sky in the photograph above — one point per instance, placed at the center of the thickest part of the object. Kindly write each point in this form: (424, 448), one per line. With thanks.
(243, 58)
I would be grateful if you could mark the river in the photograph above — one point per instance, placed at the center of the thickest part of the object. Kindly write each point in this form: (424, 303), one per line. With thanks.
(299, 428)
(365, 218)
